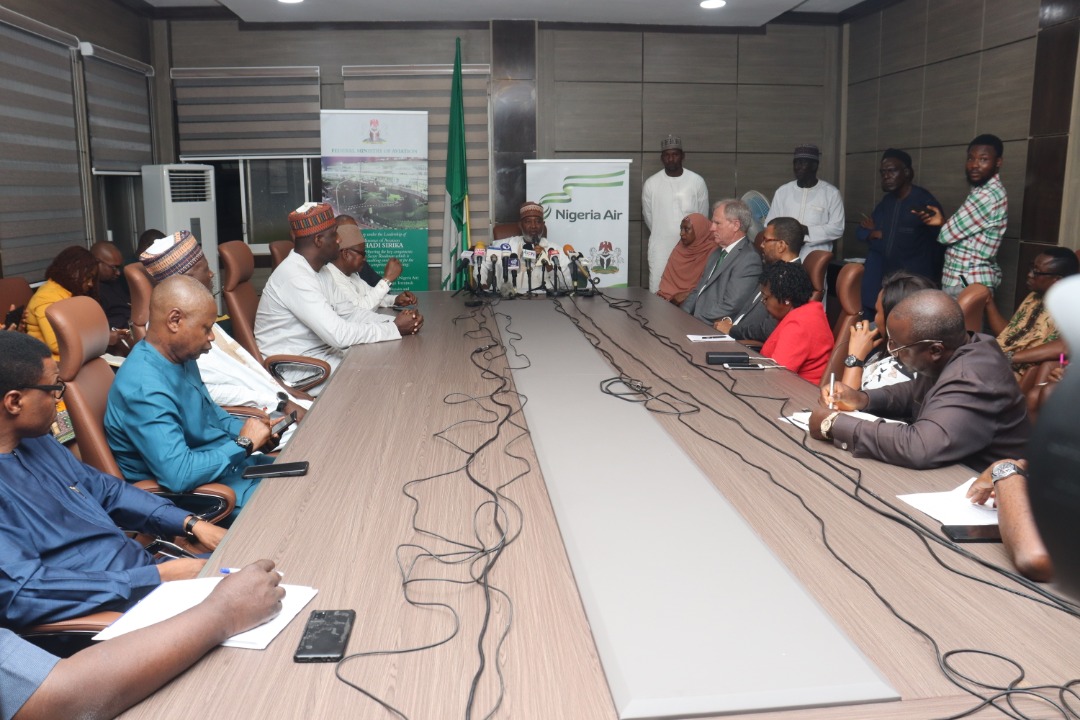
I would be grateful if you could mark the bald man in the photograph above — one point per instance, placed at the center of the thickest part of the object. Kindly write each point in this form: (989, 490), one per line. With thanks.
(964, 405)
(113, 293)
(160, 420)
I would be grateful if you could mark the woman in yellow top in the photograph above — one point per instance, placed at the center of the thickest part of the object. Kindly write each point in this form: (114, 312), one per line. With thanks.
(73, 272)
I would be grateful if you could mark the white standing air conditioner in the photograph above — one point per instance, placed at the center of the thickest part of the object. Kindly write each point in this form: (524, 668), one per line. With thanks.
(181, 197)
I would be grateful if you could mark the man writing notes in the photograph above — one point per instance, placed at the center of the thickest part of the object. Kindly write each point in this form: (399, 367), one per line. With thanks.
(964, 404)
(666, 198)
(732, 270)
(302, 312)
(973, 234)
(813, 202)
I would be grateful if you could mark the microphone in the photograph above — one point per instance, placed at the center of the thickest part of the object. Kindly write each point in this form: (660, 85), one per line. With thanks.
(478, 262)
(553, 255)
(506, 268)
(579, 270)
(513, 264)
(504, 247)
(494, 255)
(464, 261)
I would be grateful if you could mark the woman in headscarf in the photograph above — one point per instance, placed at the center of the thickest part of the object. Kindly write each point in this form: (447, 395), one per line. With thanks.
(687, 260)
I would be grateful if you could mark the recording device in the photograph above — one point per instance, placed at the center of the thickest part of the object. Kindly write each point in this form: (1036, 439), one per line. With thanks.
(494, 255)
(579, 271)
(326, 635)
(506, 268)
(514, 264)
(464, 260)
(292, 469)
(478, 263)
(727, 358)
(1054, 450)
(14, 316)
(972, 533)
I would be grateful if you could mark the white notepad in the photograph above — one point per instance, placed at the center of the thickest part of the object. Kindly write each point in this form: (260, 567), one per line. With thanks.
(172, 598)
(953, 507)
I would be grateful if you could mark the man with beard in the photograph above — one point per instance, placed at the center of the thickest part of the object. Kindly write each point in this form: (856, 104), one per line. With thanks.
(898, 239)
(666, 198)
(813, 202)
(973, 234)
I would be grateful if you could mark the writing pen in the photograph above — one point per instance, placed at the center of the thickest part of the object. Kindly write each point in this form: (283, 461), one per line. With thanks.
(714, 337)
(230, 571)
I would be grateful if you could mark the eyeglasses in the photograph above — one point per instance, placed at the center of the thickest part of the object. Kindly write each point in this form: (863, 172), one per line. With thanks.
(57, 390)
(359, 252)
(1038, 273)
(896, 351)
(117, 268)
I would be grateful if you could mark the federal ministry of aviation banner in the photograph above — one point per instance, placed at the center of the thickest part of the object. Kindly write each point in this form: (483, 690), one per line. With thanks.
(587, 205)
(375, 168)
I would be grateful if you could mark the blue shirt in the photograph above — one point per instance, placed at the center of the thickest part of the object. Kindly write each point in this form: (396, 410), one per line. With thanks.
(23, 668)
(162, 425)
(61, 553)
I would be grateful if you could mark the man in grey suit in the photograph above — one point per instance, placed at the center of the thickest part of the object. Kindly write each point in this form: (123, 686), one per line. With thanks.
(731, 271)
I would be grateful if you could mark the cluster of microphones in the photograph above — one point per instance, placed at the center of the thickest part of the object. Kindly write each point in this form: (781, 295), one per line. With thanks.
(502, 266)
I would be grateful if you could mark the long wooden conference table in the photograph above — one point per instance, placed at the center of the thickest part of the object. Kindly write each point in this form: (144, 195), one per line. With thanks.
(423, 467)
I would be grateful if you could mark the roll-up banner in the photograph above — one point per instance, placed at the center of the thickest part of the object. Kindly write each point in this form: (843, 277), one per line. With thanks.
(587, 205)
(375, 168)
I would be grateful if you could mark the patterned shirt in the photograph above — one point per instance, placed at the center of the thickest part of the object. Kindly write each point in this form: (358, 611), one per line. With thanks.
(1030, 326)
(973, 234)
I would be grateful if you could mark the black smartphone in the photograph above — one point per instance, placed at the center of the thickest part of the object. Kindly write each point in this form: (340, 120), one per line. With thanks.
(972, 533)
(325, 636)
(14, 316)
(284, 423)
(276, 470)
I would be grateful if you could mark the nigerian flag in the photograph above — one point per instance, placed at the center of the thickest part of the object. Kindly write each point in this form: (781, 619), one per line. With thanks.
(456, 212)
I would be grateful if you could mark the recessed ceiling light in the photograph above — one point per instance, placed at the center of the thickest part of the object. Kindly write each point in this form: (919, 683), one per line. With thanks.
(707, 4)
(290, 2)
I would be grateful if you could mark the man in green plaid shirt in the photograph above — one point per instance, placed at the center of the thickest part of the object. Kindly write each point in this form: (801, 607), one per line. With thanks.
(973, 234)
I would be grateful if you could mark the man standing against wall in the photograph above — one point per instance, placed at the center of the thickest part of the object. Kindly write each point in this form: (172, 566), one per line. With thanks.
(813, 202)
(666, 198)
(973, 234)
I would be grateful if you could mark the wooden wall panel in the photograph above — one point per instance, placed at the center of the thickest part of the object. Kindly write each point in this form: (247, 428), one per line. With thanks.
(776, 118)
(950, 101)
(784, 55)
(862, 113)
(903, 36)
(606, 56)
(900, 110)
(1005, 88)
(704, 121)
(763, 172)
(957, 28)
(598, 116)
(1006, 21)
(671, 57)
(864, 48)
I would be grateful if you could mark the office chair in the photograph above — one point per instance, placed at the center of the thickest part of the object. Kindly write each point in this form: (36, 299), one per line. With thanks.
(849, 295)
(279, 250)
(816, 265)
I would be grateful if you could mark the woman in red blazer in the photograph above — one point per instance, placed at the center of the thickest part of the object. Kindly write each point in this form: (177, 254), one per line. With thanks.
(803, 340)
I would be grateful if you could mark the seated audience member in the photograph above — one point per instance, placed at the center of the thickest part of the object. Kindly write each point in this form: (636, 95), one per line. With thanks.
(366, 272)
(868, 364)
(344, 273)
(73, 272)
(964, 406)
(781, 241)
(61, 553)
(104, 680)
(897, 239)
(802, 340)
(231, 375)
(160, 421)
(302, 313)
(1030, 336)
(731, 270)
(687, 260)
(1006, 482)
(113, 294)
(147, 239)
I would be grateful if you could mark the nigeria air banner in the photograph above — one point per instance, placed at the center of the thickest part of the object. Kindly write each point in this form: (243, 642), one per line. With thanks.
(587, 205)
(375, 168)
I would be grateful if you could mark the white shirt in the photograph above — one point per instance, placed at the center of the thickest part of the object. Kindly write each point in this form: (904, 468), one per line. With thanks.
(302, 312)
(665, 201)
(543, 275)
(365, 296)
(820, 209)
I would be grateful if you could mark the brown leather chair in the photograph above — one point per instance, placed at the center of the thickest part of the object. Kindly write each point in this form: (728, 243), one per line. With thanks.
(141, 286)
(238, 265)
(82, 332)
(14, 291)
(64, 638)
(849, 296)
(973, 301)
(279, 250)
(816, 265)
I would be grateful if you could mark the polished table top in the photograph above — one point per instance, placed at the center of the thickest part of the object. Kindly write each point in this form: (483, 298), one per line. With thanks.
(344, 527)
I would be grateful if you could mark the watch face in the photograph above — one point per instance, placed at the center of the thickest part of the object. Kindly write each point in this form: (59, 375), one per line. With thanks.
(1002, 470)
(852, 361)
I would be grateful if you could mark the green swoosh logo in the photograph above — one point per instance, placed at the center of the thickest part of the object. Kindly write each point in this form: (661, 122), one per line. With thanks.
(573, 181)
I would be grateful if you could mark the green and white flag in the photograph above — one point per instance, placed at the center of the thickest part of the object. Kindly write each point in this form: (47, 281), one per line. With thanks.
(456, 212)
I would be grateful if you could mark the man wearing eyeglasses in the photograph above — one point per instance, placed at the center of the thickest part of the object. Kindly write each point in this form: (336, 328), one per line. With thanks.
(343, 273)
(964, 404)
(113, 293)
(1031, 336)
(61, 554)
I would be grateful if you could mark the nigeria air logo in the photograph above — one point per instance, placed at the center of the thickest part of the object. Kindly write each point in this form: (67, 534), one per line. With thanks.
(603, 180)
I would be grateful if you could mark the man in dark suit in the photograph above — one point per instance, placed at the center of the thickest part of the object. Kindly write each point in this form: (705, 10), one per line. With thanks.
(732, 270)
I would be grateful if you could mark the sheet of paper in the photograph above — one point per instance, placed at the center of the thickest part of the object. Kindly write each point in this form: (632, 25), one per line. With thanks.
(953, 507)
(708, 338)
(801, 420)
(172, 598)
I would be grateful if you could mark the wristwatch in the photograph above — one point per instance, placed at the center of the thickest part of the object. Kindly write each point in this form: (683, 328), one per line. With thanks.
(1003, 470)
(245, 442)
(189, 526)
(853, 362)
(827, 423)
